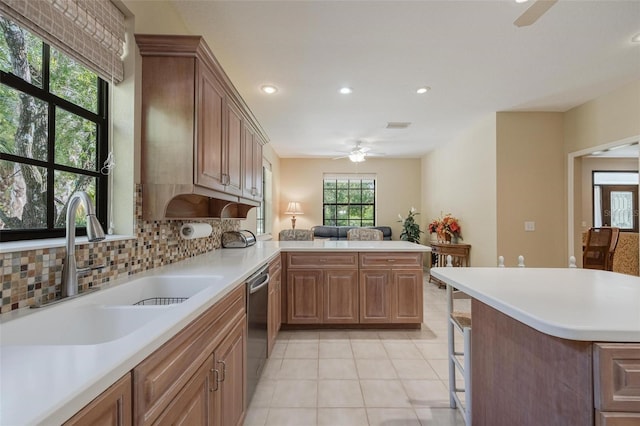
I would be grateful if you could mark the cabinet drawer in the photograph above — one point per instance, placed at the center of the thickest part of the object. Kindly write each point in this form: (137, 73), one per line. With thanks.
(159, 378)
(617, 419)
(391, 260)
(322, 260)
(616, 372)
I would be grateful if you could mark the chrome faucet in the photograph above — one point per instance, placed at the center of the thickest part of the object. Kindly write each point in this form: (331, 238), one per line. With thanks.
(94, 233)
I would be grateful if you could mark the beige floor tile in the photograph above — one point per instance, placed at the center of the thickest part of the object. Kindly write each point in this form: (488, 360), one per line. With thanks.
(271, 368)
(402, 350)
(292, 417)
(426, 393)
(392, 416)
(256, 416)
(295, 393)
(337, 369)
(303, 336)
(298, 349)
(372, 349)
(298, 369)
(414, 369)
(339, 393)
(393, 335)
(335, 349)
(433, 350)
(441, 367)
(375, 369)
(335, 335)
(439, 417)
(342, 417)
(384, 394)
(278, 349)
(264, 393)
(364, 335)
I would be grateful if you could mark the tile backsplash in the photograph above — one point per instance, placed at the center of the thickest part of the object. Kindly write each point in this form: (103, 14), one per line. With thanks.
(35, 275)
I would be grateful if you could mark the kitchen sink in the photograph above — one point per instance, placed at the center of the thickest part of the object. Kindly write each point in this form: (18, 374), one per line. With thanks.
(110, 314)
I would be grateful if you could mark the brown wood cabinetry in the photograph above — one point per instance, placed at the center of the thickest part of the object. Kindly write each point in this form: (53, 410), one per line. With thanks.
(201, 145)
(616, 373)
(391, 288)
(162, 376)
(229, 362)
(111, 408)
(274, 309)
(322, 288)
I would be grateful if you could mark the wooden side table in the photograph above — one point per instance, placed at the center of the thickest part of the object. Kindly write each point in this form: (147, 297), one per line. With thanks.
(459, 257)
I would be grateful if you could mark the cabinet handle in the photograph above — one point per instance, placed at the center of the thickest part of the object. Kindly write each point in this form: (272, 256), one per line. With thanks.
(224, 370)
(215, 380)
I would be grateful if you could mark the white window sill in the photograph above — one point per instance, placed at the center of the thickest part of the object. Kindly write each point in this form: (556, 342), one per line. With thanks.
(14, 246)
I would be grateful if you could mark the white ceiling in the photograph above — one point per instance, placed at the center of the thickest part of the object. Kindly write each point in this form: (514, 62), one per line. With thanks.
(469, 52)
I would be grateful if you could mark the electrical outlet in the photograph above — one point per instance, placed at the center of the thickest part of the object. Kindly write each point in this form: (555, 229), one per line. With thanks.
(529, 226)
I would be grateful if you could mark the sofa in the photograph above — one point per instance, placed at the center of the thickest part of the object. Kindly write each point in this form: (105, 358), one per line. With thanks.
(340, 232)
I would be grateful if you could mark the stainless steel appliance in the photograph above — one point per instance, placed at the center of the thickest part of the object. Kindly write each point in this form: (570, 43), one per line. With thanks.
(257, 300)
(238, 239)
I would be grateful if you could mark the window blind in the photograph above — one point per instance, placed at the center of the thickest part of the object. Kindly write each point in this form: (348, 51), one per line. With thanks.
(92, 32)
(350, 176)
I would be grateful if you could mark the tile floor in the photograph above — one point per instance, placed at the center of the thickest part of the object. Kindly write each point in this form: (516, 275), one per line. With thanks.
(359, 377)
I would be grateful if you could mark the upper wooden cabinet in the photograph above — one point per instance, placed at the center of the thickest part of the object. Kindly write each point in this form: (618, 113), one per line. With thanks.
(201, 145)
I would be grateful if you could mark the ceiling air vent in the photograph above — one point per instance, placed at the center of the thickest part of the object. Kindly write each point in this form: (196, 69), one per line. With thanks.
(398, 124)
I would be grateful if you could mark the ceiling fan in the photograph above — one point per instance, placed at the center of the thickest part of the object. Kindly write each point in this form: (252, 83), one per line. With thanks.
(358, 153)
(534, 12)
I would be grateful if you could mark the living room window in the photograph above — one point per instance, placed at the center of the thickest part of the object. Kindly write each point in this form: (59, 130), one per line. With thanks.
(349, 200)
(53, 136)
(615, 200)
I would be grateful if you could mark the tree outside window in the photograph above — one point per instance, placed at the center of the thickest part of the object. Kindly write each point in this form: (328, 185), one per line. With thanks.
(53, 135)
(349, 201)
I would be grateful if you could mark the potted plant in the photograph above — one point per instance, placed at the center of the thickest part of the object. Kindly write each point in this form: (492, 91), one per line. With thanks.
(410, 228)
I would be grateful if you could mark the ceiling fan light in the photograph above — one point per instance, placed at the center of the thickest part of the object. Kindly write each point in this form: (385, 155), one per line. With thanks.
(357, 156)
(346, 90)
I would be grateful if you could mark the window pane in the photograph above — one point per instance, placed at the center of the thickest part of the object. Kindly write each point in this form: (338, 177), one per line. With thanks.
(355, 212)
(73, 82)
(367, 223)
(622, 209)
(66, 184)
(23, 124)
(329, 212)
(15, 41)
(355, 196)
(344, 222)
(23, 196)
(342, 212)
(368, 196)
(75, 141)
(367, 212)
(330, 196)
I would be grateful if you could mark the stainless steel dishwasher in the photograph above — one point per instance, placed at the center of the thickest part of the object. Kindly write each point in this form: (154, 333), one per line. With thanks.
(257, 301)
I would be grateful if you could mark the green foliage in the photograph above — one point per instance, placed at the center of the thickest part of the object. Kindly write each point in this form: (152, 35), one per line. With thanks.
(410, 228)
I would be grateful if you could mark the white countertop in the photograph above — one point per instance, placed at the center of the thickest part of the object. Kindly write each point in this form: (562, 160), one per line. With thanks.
(48, 384)
(570, 303)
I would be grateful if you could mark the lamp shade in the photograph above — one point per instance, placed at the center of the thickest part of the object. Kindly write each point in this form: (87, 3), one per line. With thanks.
(294, 208)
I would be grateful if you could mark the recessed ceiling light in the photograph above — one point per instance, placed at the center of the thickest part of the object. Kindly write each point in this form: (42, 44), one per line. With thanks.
(422, 90)
(269, 89)
(521, 1)
(345, 90)
(636, 38)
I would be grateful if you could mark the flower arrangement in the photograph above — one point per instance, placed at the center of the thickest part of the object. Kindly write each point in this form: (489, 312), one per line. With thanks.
(446, 227)
(410, 228)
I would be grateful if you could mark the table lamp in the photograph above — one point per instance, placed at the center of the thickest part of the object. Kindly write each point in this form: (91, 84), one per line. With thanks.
(293, 209)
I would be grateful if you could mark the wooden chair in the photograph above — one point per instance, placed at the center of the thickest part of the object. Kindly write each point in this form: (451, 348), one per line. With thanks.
(296, 235)
(364, 234)
(600, 248)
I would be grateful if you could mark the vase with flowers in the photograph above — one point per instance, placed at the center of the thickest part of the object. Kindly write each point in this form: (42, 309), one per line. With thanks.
(410, 228)
(448, 228)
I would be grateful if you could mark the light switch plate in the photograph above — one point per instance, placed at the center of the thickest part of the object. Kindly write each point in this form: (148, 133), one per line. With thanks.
(529, 226)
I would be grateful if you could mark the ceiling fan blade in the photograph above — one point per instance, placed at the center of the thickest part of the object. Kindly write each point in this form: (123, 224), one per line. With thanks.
(535, 11)
(338, 158)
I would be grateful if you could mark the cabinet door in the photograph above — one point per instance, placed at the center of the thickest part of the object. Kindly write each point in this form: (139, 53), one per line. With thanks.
(111, 408)
(257, 167)
(340, 294)
(248, 189)
(192, 405)
(375, 296)
(233, 154)
(304, 297)
(273, 309)
(229, 357)
(407, 296)
(209, 125)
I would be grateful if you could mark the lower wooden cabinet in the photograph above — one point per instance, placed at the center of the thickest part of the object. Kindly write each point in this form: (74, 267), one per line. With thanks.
(352, 288)
(230, 370)
(111, 408)
(616, 374)
(274, 309)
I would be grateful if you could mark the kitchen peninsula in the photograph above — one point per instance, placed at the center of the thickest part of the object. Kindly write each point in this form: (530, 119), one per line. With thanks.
(552, 346)
(80, 369)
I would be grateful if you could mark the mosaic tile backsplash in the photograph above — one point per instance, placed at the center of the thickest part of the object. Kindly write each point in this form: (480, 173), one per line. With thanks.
(34, 275)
